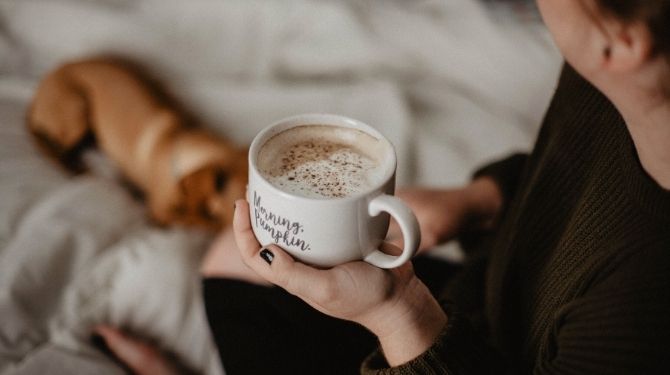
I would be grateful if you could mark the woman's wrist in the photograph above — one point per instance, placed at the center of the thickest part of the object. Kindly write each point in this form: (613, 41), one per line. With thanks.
(485, 201)
(413, 323)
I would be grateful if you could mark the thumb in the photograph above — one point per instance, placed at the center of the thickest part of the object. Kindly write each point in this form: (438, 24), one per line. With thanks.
(394, 234)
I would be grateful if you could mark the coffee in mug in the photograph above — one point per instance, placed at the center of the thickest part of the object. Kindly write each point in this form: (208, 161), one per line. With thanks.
(323, 162)
(321, 187)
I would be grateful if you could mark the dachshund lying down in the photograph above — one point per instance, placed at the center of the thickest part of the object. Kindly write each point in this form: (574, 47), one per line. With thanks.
(187, 175)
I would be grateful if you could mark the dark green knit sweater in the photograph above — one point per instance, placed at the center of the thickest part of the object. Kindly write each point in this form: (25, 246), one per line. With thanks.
(577, 277)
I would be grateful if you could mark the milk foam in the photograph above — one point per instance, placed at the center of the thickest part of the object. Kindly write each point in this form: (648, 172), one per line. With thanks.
(320, 161)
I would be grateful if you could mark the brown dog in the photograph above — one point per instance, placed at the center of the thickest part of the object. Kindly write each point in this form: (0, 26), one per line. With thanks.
(188, 176)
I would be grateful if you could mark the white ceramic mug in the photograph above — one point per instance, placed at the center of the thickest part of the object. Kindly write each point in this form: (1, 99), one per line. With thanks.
(328, 232)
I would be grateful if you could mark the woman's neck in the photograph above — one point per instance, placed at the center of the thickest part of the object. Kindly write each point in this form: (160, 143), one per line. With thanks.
(647, 116)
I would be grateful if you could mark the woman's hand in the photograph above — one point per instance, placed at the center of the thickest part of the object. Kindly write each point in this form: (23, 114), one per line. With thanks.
(443, 214)
(138, 356)
(393, 304)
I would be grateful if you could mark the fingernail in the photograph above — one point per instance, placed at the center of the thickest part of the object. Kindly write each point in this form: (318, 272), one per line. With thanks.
(267, 256)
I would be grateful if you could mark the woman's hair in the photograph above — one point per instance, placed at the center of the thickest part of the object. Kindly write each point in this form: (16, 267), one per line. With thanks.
(655, 13)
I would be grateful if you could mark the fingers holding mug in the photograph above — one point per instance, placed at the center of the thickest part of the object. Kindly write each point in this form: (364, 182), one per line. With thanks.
(271, 262)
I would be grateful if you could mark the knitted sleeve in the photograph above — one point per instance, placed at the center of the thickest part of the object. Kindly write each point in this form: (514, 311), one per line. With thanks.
(619, 326)
(506, 173)
(457, 350)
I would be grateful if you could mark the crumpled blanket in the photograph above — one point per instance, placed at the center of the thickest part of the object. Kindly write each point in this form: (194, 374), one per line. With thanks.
(449, 84)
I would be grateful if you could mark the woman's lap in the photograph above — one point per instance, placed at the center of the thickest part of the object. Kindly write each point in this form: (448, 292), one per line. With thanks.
(267, 330)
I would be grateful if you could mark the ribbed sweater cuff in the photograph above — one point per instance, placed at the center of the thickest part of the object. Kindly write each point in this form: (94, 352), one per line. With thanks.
(506, 173)
(458, 349)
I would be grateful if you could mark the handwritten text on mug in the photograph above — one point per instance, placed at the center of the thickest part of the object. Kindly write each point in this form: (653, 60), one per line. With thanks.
(281, 229)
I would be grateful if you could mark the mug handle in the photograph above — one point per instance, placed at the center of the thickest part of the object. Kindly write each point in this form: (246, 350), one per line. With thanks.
(408, 225)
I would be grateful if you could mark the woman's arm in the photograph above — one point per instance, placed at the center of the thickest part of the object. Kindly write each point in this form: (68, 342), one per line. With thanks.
(413, 328)
(444, 213)
(506, 173)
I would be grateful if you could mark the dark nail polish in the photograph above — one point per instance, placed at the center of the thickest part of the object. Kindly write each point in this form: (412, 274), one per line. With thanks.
(267, 256)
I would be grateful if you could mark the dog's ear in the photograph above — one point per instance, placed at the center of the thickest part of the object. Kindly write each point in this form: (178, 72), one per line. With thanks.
(220, 180)
(195, 186)
(208, 194)
(197, 190)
